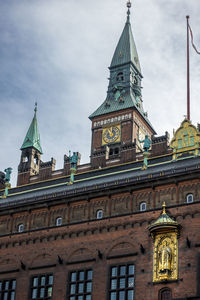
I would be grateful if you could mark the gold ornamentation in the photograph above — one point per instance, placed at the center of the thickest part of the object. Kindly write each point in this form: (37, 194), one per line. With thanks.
(165, 257)
(111, 134)
(165, 233)
(185, 139)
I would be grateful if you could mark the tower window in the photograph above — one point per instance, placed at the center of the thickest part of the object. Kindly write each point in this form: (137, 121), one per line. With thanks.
(99, 214)
(143, 206)
(189, 198)
(21, 227)
(36, 159)
(59, 221)
(120, 76)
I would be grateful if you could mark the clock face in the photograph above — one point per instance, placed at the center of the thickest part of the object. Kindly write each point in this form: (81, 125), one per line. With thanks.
(111, 134)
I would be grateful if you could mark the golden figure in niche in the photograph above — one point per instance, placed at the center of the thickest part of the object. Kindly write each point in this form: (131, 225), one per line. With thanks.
(165, 257)
(165, 232)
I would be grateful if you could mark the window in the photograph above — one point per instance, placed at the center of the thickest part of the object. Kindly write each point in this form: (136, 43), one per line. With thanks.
(99, 214)
(7, 289)
(41, 287)
(59, 221)
(21, 227)
(189, 198)
(143, 206)
(120, 76)
(80, 285)
(165, 294)
(122, 282)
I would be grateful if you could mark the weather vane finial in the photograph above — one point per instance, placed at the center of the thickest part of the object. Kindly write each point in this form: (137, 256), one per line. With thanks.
(35, 109)
(128, 12)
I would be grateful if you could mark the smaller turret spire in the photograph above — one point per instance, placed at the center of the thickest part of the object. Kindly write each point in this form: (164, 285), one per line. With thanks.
(128, 12)
(32, 138)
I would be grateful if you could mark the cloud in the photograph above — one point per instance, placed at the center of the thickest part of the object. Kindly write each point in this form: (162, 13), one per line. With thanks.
(58, 52)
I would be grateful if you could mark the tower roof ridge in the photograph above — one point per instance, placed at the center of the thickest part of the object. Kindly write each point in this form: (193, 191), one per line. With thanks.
(32, 138)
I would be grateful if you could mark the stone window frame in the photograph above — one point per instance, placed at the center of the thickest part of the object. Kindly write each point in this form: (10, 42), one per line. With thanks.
(41, 286)
(121, 281)
(21, 227)
(189, 198)
(8, 287)
(59, 221)
(143, 204)
(80, 283)
(99, 214)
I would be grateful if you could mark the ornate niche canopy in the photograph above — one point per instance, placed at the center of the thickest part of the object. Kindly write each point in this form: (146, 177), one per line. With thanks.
(165, 233)
(186, 140)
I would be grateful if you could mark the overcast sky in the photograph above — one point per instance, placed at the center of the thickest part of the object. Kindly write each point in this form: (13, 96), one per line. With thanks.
(57, 52)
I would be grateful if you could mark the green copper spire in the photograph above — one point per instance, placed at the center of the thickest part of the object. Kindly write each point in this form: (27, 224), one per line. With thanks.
(124, 89)
(126, 51)
(32, 138)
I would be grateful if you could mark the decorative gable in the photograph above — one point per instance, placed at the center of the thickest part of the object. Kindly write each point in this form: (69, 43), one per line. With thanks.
(186, 140)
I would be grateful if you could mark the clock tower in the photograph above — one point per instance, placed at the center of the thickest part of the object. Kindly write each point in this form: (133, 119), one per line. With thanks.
(121, 119)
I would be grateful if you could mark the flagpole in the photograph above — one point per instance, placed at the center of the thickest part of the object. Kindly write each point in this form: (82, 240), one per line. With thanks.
(188, 71)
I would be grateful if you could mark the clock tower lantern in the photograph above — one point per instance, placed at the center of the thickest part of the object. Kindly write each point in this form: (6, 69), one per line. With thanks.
(121, 119)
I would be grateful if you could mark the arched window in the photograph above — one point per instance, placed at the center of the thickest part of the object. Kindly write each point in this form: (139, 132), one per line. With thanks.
(165, 294)
(143, 206)
(99, 214)
(189, 198)
(21, 227)
(120, 76)
(59, 221)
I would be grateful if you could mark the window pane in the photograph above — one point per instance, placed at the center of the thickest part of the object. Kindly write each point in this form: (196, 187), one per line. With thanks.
(35, 281)
(12, 296)
(89, 287)
(121, 295)
(113, 296)
(73, 289)
(80, 288)
(122, 270)
(34, 294)
(80, 297)
(41, 292)
(130, 295)
(72, 298)
(6, 285)
(114, 271)
(81, 276)
(88, 297)
(5, 296)
(113, 284)
(89, 275)
(43, 279)
(122, 283)
(13, 284)
(131, 269)
(131, 282)
(0, 285)
(73, 276)
(49, 293)
(51, 279)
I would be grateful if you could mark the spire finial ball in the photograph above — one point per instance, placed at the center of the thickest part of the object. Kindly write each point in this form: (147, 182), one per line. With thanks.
(129, 4)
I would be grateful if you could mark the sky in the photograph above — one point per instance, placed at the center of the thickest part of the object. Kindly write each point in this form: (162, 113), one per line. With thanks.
(57, 52)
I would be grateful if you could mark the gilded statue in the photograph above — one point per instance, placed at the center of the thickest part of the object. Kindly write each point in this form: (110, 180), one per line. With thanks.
(165, 258)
